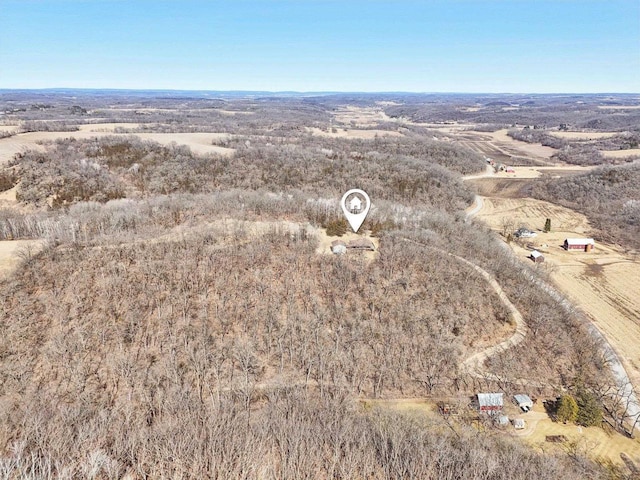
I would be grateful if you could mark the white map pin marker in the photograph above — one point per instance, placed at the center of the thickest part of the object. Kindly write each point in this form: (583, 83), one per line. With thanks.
(355, 205)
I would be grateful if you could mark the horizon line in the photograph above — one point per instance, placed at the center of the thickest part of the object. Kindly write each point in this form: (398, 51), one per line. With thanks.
(295, 92)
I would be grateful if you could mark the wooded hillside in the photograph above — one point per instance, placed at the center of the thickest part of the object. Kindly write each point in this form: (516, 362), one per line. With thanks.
(608, 196)
(179, 320)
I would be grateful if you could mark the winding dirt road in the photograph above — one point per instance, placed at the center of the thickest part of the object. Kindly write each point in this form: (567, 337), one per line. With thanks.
(474, 365)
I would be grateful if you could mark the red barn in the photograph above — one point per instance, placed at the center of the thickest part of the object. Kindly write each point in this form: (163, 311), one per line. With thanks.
(490, 403)
(582, 244)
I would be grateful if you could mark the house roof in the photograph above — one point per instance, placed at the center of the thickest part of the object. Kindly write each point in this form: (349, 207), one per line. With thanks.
(523, 399)
(490, 399)
(362, 243)
(536, 254)
(580, 241)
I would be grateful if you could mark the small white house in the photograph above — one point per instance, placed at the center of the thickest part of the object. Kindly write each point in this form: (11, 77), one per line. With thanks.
(338, 247)
(525, 233)
(519, 423)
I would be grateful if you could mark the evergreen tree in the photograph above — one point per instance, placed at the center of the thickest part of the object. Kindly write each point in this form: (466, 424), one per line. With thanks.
(567, 409)
(337, 227)
(547, 225)
(589, 411)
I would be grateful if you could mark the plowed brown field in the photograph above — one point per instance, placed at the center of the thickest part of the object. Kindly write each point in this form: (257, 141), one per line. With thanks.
(604, 284)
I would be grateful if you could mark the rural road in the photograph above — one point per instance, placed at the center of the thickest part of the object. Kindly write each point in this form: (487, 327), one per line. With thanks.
(478, 200)
(479, 205)
(474, 364)
(488, 172)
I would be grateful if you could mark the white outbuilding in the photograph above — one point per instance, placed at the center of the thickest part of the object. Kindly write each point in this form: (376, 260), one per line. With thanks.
(523, 401)
(536, 256)
(338, 247)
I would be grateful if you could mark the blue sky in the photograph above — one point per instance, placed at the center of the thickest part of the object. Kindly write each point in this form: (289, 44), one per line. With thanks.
(323, 45)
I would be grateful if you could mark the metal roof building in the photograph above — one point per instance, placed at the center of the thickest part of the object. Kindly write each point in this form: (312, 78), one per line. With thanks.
(490, 402)
(524, 402)
(537, 257)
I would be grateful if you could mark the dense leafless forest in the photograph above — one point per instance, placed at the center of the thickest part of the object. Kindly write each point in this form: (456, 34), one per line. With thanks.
(103, 169)
(179, 322)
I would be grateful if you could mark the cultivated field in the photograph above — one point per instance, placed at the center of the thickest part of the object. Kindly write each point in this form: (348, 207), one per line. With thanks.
(360, 116)
(619, 107)
(496, 145)
(500, 147)
(106, 127)
(200, 143)
(604, 283)
(352, 133)
(523, 172)
(631, 152)
(583, 135)
(8, 128)
(518, 148)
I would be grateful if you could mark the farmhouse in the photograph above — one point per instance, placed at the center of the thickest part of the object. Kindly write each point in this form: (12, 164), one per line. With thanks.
(536, 256)
(490, 403)
(524, 232)
(582, 244)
